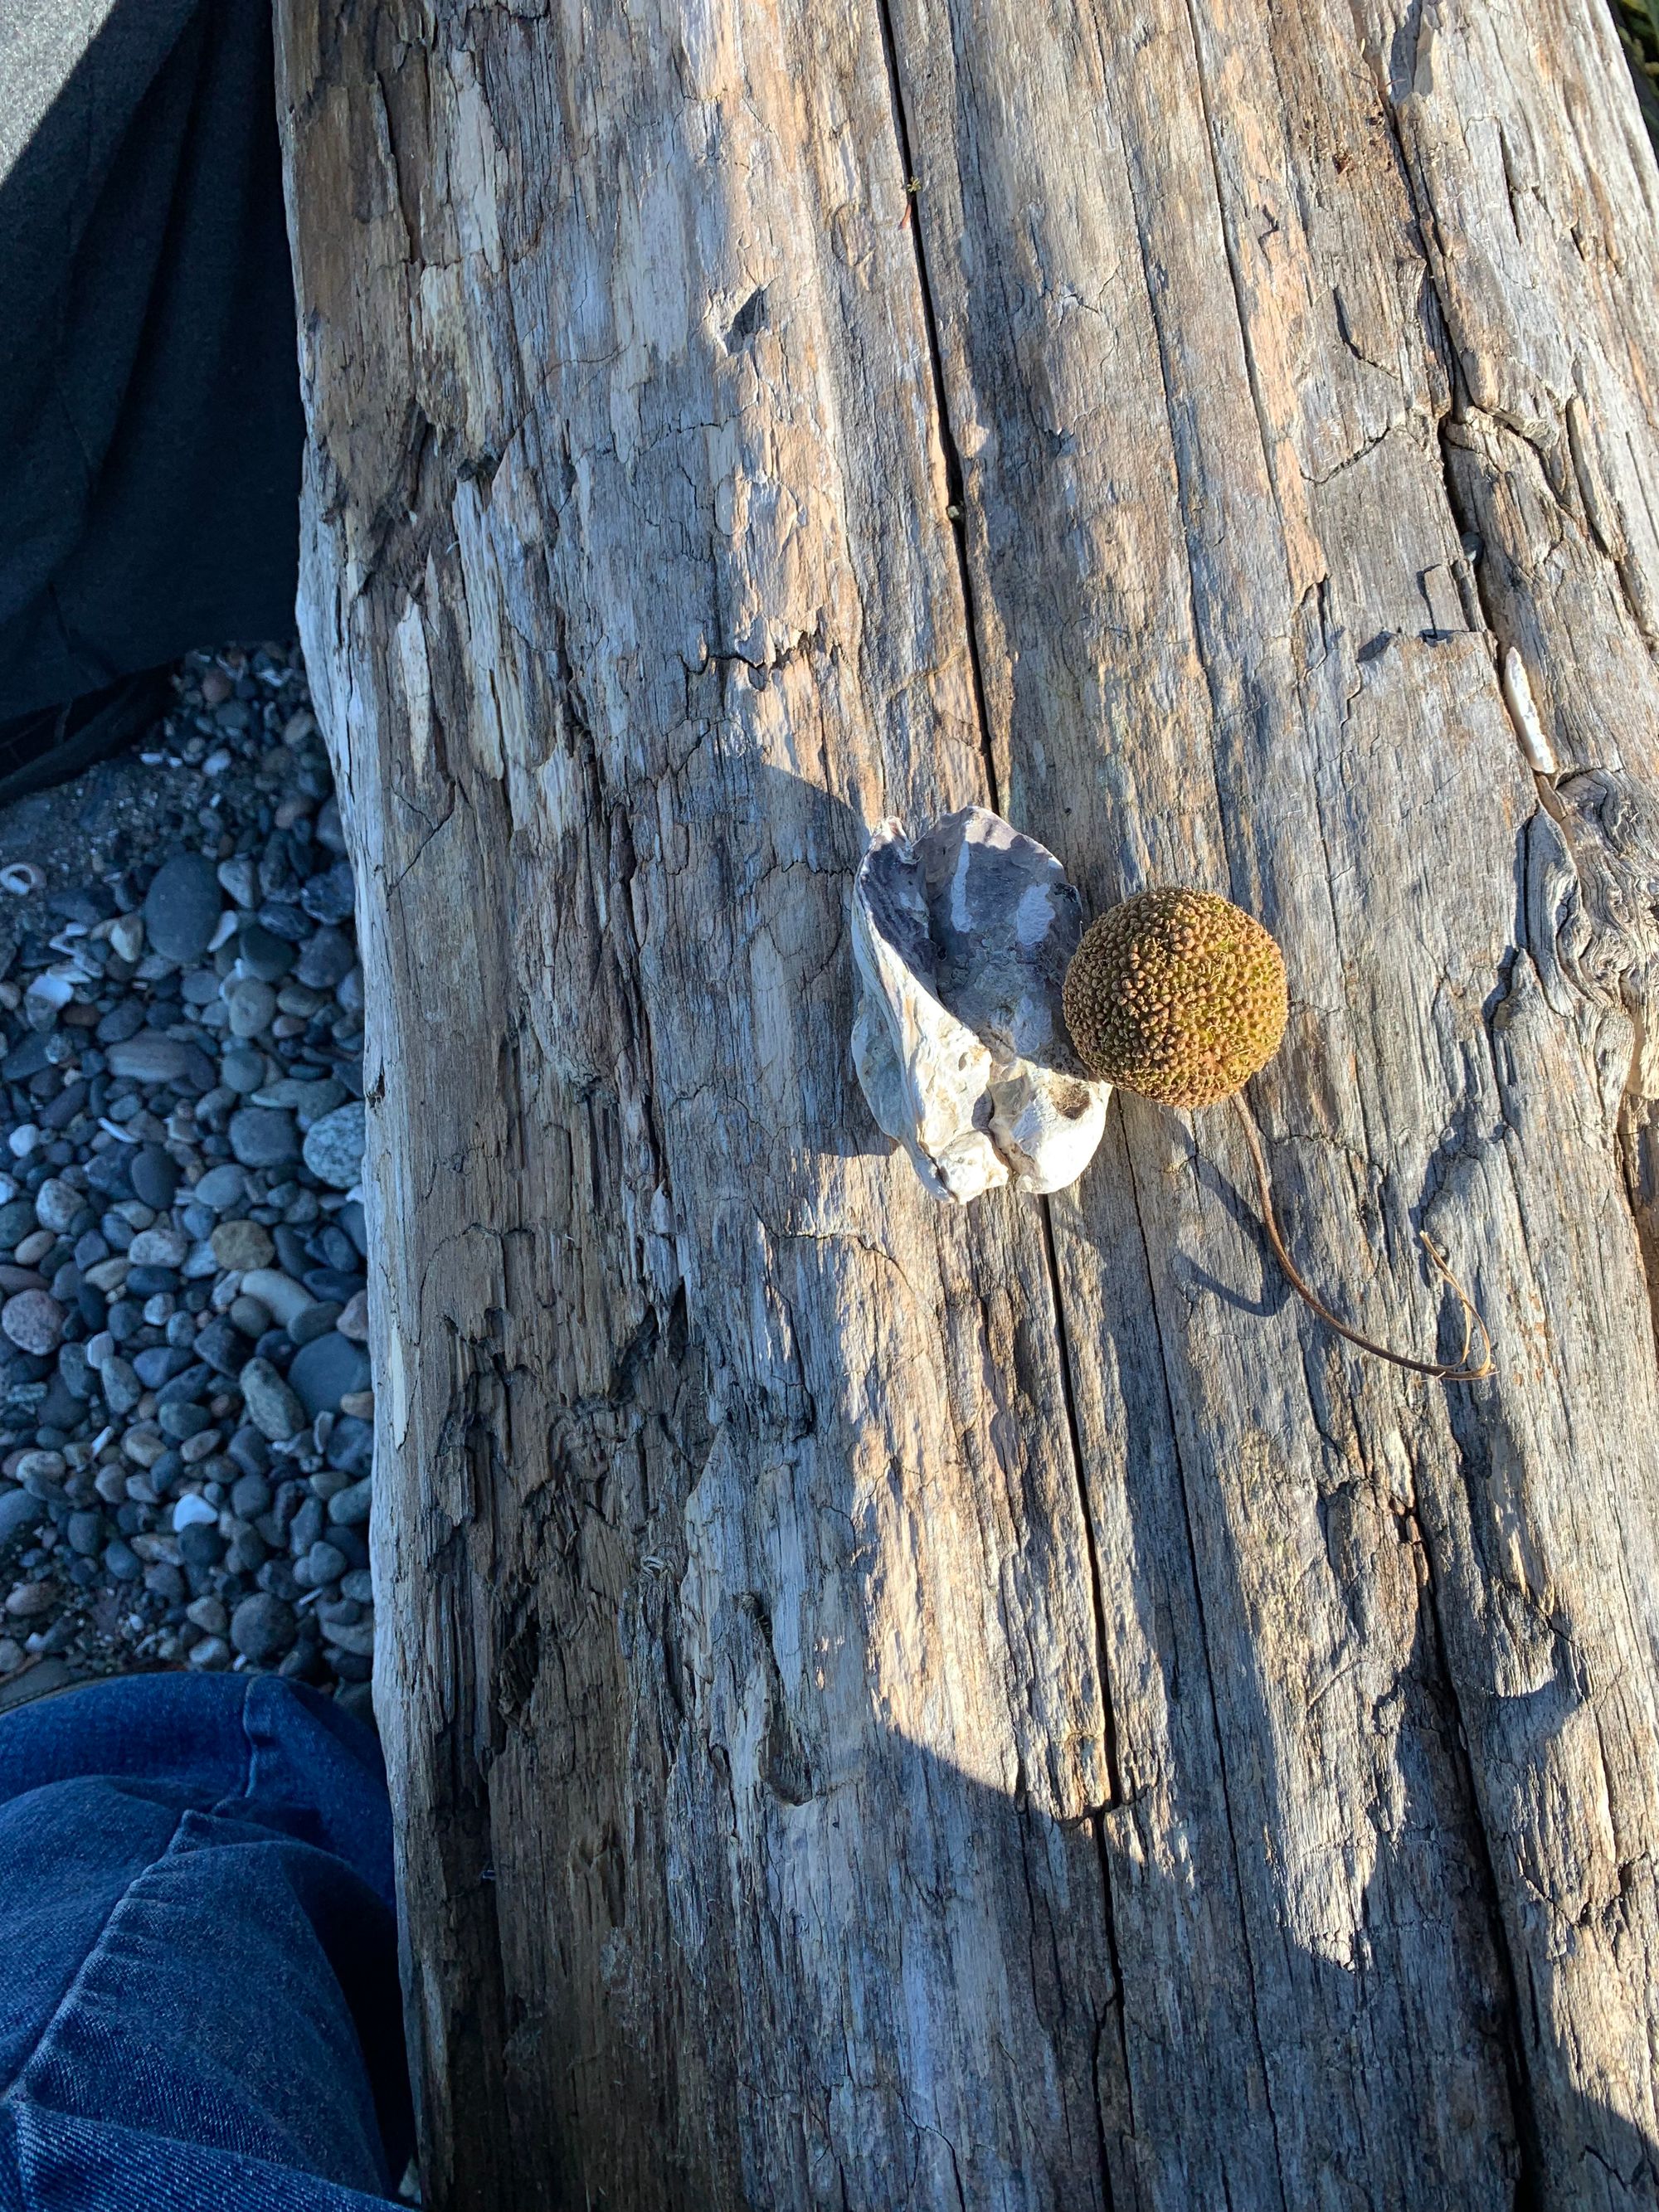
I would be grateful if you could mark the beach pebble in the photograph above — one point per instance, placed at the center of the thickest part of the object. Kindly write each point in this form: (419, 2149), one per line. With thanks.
(150, 1057)
(261, 1628)
(334, 1145)
(181, 908)
(262, 1137)
(327, 1369)
(182, 1299)
(34, 1321)
(272, 1406)
(242, 1245)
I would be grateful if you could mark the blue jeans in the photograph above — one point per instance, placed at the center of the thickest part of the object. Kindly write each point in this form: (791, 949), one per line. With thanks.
(198, 1986)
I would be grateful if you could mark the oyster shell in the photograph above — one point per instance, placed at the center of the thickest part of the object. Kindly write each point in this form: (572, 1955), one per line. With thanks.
(961, 937)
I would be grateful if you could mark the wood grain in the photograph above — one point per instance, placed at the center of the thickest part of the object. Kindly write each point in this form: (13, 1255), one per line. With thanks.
(889, 1705)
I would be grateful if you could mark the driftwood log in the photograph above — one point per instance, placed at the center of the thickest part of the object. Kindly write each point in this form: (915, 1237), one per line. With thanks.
(890, 1705)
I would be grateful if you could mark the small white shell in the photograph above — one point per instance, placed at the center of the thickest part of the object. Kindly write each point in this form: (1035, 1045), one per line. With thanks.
(20, 877)
(962, 937)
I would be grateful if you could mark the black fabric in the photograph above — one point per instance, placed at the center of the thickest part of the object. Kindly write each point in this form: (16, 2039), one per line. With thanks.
(52, 744)
(150, 411)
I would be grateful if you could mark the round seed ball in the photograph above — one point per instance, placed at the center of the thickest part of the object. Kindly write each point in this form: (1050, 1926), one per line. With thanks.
(1178, 995)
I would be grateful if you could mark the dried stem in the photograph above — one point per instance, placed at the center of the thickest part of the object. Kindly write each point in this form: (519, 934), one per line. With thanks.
(1460, 1371)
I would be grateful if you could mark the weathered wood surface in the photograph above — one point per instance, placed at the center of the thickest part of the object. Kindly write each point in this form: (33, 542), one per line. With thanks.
(891, 1706)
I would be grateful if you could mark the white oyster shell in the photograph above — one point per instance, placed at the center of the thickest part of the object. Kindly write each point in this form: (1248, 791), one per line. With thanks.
(961, 937)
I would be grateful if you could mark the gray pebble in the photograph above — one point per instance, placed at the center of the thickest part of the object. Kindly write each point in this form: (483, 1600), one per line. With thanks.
(242, 1070)
(292, 1257)
(188, 1384)
(252, 1006)
(76, 1369)
(329, 895)
(250, 1451)
(59, 1409)
(220, 1187)
(182, 1420)
(261, 1628)
(266, 957)
(122, 1388)
(34, 1321)
(322, 1565)
(334, 1145)
(276, 1578)
(327, 957)
(261, 1137)
(200, 1545)
(57, 1203)
(326, 1369)
(212, 1654)
(124, 1020)
(18, 1511)
(150, 1057)
(247, 1551)
(158, 1247)
(16, 1219)
(348, 1508)
(223, 1346)
(272, 1407)
(85, 1531)
(307, 1526)
(248, 1316)
(356, 1636)
(283, 1298)
(351, 1445)
(250, 1497)
(360, 1584)
(154, 1176)
(316, 1320)
(181, 909)
(158, 1364)
(121, 1563)
(311, 1100)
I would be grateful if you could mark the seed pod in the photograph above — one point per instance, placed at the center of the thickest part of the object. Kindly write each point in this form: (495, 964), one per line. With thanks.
(1181, 996)
(1176, 994)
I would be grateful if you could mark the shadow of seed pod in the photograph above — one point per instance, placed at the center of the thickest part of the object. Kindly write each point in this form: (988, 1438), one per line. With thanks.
(1180, 996)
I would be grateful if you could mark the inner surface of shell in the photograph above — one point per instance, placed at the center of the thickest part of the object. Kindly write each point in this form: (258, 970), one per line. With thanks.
(961, 937)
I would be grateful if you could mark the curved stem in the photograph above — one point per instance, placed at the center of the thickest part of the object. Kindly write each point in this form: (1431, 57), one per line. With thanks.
(1460, 1371)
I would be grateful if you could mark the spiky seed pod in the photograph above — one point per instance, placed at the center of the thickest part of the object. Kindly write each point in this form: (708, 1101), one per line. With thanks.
(1178, 995)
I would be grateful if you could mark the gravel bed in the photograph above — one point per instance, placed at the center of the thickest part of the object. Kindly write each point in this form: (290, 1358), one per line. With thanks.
(186, 1411)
